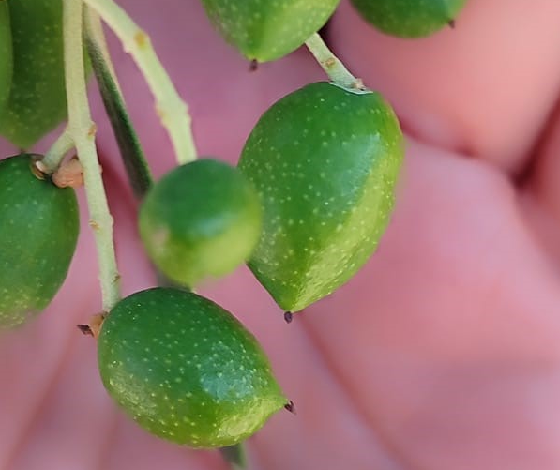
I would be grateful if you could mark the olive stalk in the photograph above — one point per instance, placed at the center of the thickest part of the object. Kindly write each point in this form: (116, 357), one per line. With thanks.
(52, 159)
(81, 129)
(332, 65)
(171, 109)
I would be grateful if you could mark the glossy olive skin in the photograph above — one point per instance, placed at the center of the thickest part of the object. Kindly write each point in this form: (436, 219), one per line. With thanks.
(409, 18)
(37, 100)
(6, 66)
(40, 227)
(325, 161)
(185, 369)
(200, 221)
(265, 30)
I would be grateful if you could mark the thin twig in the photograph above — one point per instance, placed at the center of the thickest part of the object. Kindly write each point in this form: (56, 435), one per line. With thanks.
(56, 153)
(172, 110)
(82, 131)
(332, 65)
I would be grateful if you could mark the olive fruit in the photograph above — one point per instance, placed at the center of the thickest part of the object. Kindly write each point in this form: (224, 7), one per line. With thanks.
(409, 18)
(201, 220)
(325, 161)
(265, 30)
(37, 100)
(185, 369)
(5, 55)
(40, 226)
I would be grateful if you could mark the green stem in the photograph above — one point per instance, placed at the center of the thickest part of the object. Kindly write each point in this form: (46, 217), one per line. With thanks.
(235, 455)
(82, 130)
(332, 65)
(94, 31)
(56, 153)
(172, 110)
(132, 154)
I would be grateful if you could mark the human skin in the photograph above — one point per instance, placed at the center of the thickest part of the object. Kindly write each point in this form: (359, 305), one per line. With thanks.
(442, 354)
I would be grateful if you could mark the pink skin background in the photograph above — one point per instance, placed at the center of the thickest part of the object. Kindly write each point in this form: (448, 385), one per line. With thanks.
(442, 354)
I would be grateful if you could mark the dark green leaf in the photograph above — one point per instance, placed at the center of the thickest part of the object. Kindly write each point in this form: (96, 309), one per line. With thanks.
(139, 174)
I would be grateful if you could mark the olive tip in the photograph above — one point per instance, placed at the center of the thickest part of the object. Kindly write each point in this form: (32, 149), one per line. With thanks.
(253, 65)
(85, 329)
(290, 406)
